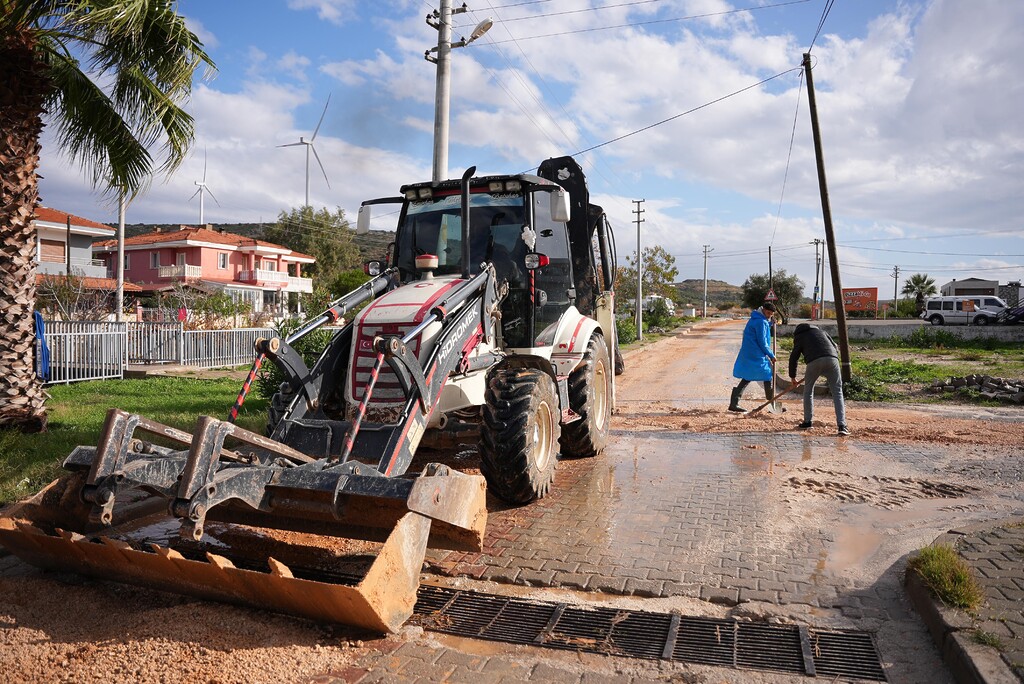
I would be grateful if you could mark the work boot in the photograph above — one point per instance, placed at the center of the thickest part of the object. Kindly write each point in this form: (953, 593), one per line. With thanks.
(734, 403)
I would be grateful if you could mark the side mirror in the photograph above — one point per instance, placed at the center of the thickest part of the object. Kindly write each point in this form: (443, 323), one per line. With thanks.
(535, 260)
(363, 220)
(373, 268)
(559, 206)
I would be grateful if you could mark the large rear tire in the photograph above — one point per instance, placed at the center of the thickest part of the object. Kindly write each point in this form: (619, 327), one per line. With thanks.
(590, 395)
(519, 436)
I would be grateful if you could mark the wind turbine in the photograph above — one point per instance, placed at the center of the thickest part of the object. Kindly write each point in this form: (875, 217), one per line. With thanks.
(203, 188)
(309, 146)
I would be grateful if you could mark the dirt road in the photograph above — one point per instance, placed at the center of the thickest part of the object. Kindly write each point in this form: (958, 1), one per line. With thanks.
(846, 511)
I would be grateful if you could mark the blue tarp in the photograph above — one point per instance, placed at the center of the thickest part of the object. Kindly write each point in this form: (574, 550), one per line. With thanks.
(42, 349)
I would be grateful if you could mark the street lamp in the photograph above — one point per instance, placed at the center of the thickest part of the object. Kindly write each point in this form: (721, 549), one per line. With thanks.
(441, 19)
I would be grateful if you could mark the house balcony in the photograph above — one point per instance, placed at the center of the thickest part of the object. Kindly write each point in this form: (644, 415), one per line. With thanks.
(84, 268)
(185, 272)
(264, 277)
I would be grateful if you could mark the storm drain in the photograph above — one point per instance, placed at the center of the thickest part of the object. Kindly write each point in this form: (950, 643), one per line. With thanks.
(661, 636)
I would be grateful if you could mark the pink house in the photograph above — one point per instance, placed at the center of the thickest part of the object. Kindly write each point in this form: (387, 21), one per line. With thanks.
(259, 272)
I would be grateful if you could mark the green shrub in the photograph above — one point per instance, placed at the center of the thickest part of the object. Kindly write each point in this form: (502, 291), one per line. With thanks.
(309, 347)
(948, 576)
(657, 316)
(626, 330)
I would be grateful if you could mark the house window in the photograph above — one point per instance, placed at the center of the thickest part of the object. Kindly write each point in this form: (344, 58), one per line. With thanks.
(127, 261)
(52, 251)
(222, 260)
(154, 259)
(180, 259)
(269, 265)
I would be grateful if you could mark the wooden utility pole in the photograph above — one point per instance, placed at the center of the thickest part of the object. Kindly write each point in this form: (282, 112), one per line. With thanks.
(895, 288)
(830, 239)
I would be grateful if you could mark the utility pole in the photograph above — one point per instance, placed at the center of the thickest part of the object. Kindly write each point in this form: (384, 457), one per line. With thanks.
(639, 272)
(830, 240)
(67, 250)
(119, 297)
(817, 269)
(441, 19)
(707, 251)
(895, 287)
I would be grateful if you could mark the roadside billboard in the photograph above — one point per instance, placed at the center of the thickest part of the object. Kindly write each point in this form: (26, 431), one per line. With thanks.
(861, 299)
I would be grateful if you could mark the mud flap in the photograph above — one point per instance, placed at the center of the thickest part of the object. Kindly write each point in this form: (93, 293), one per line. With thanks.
(381, 601)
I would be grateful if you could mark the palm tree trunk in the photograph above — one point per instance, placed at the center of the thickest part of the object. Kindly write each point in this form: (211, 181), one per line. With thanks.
(22, 91)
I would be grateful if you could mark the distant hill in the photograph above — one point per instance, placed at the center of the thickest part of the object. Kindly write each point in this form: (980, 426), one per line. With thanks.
(371, 246)
(719, 292)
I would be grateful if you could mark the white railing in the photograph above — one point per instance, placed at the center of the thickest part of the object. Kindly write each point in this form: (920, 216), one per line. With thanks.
(292, 283)
(92, 350)
(186, 271)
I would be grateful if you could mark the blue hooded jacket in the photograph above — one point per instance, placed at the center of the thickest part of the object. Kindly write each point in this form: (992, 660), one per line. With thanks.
(752, 362)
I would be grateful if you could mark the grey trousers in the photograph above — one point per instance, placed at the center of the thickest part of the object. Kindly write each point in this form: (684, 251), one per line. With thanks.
(829, 367)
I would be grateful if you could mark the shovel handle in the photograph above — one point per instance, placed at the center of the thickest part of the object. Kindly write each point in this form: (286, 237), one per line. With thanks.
(787, 391)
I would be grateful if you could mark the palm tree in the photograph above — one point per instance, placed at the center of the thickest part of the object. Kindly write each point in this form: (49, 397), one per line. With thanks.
(919, 286)
(140, 60)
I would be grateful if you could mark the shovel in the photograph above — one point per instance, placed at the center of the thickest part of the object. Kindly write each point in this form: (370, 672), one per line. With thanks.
(775, 408)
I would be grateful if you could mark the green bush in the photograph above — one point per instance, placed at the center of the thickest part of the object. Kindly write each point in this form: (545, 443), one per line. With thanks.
(309, 348)
(626, 330)
(948, 576)
(658, 316)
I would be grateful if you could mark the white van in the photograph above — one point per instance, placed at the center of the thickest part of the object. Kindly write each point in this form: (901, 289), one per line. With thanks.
(963, 310)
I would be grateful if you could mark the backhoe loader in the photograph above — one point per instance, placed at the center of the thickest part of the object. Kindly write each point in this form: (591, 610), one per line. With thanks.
(492, 312)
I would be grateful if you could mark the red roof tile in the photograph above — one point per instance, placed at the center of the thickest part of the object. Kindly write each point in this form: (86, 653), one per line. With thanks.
(195, 234)
(94, 283)
(55, 216)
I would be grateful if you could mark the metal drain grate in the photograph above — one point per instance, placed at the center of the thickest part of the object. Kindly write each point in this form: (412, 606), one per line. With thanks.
(640, 634)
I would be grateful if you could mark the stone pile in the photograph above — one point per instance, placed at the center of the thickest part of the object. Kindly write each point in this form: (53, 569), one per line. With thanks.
(987, 386)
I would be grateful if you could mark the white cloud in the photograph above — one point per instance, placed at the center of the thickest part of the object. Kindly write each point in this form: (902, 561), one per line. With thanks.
(334, 11)
(206, 37)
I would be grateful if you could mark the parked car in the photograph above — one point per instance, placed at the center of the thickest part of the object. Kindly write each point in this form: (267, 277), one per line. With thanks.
(963, 310)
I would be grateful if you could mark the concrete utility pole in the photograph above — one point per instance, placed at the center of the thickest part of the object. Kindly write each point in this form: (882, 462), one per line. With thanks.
(895, 287)
(704, 313)
(441, 19)
(639, 273)
(119, 298)
(817, 269)
(830, 240)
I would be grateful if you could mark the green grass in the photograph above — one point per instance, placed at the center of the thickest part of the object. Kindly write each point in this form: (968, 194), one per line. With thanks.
(948, 576)
(77, 411)
(980, 636)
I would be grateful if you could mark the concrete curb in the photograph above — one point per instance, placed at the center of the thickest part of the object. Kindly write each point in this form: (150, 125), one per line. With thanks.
(969, 661)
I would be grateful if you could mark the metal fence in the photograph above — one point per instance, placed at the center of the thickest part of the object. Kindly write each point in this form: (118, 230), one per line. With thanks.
(93, 350)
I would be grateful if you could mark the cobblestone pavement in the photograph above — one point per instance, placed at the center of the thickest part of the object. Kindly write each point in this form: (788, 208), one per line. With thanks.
(997, 557)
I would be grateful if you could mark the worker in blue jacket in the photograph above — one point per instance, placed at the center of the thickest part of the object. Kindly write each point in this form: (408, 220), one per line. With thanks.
(755, 362)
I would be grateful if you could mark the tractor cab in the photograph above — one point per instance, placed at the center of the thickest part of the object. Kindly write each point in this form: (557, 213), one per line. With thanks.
(517, 223)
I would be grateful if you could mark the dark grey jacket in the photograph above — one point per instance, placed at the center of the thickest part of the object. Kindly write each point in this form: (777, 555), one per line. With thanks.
(813, 343)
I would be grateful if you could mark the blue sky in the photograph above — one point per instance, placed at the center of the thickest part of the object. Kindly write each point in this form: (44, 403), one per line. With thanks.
(919, 102)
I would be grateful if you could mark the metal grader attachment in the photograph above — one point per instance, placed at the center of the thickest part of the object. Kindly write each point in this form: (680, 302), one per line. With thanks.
(78, 522)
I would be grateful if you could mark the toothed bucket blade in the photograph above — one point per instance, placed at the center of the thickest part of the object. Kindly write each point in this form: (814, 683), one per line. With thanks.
(381, 601)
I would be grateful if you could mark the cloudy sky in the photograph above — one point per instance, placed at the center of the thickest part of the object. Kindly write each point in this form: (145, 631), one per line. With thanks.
(920, 104)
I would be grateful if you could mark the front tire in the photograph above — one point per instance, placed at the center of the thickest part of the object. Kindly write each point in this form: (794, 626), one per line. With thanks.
(590, 395)
(519, 436)
(981, 320)
(936, 320)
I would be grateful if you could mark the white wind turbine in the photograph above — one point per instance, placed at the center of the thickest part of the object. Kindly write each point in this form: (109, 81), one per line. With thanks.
(203, 189)
(309, 146)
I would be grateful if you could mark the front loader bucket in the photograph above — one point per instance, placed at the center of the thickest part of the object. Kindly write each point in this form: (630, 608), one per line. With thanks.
(381, 601)
(381, 598)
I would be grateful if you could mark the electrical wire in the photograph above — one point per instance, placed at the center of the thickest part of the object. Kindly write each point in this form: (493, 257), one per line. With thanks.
(649, 22)
(789, 157)
(821, 22)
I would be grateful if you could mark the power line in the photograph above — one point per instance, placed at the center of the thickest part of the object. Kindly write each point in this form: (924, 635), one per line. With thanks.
(689, 111)
(789, 157)
(821, 22)
(648, 22)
